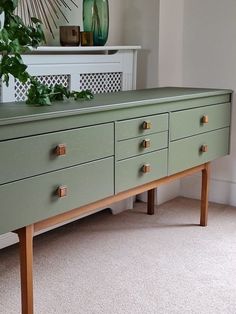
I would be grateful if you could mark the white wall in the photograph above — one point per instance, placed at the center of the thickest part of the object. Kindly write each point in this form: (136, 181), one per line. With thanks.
(170, 43)
(198, 48)
(209, 54)
(140, 25)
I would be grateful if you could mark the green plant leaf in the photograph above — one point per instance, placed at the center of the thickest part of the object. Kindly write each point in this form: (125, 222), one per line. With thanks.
(38, 94)
(17, 38)
(35, 20)
(86, 95)
(8, 5)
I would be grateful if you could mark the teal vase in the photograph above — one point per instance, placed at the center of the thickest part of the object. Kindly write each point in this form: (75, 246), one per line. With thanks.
(96, 20)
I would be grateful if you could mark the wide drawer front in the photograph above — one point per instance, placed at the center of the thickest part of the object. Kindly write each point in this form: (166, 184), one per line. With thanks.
(195, 121)
(140, 170)
(34, 155)
(37, 198)
(141, 145)
(141, 126)
(195, 150)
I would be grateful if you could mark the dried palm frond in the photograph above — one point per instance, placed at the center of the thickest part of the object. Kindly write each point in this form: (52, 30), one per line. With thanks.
(47, 11)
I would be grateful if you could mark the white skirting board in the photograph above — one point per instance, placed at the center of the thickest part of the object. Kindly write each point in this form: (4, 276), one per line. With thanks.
(10, 238)
(221, 191)
(164, 193)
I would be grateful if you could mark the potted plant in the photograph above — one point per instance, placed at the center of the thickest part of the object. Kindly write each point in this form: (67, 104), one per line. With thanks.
(17, 38)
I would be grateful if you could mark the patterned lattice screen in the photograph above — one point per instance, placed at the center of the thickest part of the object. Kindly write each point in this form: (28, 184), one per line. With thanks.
(101, 82)
(96, 82)
(49, 80)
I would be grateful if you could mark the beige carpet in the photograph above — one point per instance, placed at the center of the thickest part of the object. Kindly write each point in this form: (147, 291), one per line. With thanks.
(132, 263)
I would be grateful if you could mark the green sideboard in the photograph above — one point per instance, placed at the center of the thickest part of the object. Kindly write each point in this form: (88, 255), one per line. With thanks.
(59, 161)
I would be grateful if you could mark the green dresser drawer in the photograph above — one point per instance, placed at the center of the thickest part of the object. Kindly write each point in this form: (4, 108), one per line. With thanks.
(25, 157)
(195, 121)
(34, 199)
(141, 126)
(196, 150)
(141, 145)
(131, 172)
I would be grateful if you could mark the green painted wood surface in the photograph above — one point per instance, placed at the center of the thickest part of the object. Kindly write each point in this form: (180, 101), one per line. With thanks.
(66, 118)
(134, 127)
(34, 155)
(189, 122)
(185, 153)
(134, 146)
(19, 112)
(128, 172)
(30, 200)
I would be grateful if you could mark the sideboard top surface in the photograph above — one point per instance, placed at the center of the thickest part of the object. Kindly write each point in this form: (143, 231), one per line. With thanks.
(18, 112)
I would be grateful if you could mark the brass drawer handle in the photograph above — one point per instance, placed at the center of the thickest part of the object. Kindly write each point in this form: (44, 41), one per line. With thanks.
(205, 119)
(204, 148)
(146, 143)
(147, 125)
(62, 191)
(146, 168)
(60, 150)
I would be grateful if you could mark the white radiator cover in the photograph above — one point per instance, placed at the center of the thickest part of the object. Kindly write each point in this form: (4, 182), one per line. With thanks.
(100, 69)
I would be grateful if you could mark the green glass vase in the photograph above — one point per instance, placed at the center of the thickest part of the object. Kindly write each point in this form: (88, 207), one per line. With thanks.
(96, 20)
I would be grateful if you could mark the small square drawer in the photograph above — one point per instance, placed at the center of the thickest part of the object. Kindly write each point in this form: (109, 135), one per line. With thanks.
(199, 120)
(34, 199)
(195, 150)
(141, 145)
(139, 170)
(25, 157)
(141, 126)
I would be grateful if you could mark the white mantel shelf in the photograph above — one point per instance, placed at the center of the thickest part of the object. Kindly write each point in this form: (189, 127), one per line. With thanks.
(79, 49)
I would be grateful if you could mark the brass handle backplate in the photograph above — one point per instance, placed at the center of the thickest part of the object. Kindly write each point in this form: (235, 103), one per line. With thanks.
(205, 119)
(146, 168)
(62, 191)
(204, 148)
(146, 143)
(147, 125)
(61, 150)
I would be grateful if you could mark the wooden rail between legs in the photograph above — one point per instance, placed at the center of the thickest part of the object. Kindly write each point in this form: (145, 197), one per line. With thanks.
(26, 234)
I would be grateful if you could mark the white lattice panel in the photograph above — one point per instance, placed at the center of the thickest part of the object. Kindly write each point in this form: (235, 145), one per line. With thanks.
(49, 80)
(101, 82)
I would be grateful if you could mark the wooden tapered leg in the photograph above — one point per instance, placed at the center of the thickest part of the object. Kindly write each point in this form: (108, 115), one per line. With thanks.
(151, 202)
(204, 195)
(26, 268)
